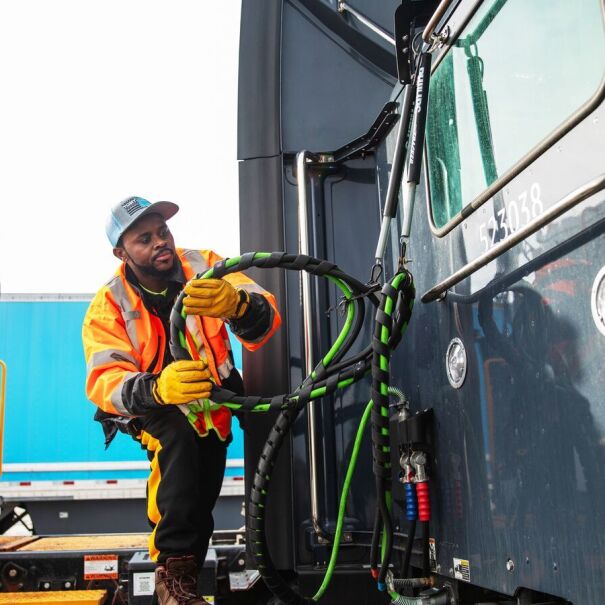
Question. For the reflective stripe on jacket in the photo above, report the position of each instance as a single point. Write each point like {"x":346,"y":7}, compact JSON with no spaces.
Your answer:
{"x":122,"y":338}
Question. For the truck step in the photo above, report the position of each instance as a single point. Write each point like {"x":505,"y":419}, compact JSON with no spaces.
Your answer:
{"x":59,"y":597}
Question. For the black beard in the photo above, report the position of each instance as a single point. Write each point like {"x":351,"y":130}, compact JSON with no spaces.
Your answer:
{"x":151,"y":271}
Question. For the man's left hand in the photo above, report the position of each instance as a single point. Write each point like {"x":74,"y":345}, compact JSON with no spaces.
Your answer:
{"x":215,"y":298}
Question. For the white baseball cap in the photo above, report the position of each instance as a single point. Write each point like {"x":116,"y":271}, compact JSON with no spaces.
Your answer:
{"x":124,"y":214}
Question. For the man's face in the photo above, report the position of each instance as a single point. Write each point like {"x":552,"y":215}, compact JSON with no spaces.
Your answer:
{"x":148,"y":248}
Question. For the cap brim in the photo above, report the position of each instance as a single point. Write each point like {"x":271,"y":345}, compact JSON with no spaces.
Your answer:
{"x":165,"y":209}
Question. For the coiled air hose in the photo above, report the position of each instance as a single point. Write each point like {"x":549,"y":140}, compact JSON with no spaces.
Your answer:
{"x":334,"y":371}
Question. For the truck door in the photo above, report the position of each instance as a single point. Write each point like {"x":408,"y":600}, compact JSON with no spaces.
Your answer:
{"x":510,"y":241}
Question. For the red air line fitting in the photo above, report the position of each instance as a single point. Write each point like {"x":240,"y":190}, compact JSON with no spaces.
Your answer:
{"x":419,"y":461}
{"x":374,"y":573}
{"x":424,"y":504}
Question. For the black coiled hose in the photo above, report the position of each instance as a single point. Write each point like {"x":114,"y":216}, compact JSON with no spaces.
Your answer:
{"x":333,"y":372}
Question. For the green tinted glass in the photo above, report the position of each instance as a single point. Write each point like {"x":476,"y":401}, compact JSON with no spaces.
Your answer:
{"x":519,"y":69}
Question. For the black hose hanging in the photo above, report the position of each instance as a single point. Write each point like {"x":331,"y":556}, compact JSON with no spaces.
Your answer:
{"x":394,"y":307}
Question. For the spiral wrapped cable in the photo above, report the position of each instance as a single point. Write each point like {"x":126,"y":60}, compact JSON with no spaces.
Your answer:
{"x":334,"y":371}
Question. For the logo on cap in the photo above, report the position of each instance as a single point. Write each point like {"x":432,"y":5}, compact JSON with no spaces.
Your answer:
{"x":133,"y":204}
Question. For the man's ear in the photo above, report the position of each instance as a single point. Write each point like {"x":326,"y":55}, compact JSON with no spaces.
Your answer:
{"x":120,"y":253}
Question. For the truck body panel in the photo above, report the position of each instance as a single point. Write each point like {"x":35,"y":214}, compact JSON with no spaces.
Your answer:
{"x":516,"y":478}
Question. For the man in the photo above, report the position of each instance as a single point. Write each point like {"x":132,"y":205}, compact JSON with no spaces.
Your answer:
{"x":140,"y":389}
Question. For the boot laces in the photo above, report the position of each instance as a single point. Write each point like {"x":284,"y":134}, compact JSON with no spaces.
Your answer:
{"x":182,"y":588}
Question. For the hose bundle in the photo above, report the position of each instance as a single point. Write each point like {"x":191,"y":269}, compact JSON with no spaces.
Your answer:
{"x":334,"y":371}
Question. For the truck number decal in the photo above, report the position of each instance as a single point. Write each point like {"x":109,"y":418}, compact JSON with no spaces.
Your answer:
{"x":517,"y":213}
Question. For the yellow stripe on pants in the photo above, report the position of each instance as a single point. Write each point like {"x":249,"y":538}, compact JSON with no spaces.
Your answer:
{"x":151,"y":444}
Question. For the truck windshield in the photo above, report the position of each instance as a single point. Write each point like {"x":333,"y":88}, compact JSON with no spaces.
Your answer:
{"x":518,"y":70}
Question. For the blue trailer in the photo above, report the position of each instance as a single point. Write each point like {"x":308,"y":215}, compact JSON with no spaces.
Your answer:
{"x":55,"y":465}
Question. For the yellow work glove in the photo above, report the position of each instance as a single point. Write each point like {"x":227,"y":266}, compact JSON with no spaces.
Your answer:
{"x":215,"y":298}
{"x":183,"y":381}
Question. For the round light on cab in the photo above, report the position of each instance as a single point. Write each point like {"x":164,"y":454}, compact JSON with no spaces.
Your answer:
{"x":456,"y":363}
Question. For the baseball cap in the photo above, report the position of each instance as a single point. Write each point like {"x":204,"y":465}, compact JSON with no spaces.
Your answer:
{"x":124,"y":214}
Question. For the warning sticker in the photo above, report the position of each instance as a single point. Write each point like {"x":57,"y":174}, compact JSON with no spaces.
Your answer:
{"x":433,"y":554}
{"x":100,"y":567}
{"x":143,"y":584}
{"x":462,"y":570}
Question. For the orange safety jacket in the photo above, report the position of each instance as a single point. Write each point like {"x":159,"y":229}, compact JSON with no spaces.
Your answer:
{"x":122,"y":338}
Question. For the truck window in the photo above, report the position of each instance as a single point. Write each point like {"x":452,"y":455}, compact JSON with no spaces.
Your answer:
{"x":518,"y":70}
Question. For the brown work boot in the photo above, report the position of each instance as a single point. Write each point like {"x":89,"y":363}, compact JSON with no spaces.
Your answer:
{"x":176,"y":582}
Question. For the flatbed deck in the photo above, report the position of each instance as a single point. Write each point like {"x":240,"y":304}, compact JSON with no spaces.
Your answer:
{"x":69,"y":569}
{"x":11,"y":543}
{"x":101,"y":542}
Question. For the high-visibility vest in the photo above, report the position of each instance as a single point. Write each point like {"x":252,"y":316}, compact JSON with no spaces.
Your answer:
{"x":121,"y":337}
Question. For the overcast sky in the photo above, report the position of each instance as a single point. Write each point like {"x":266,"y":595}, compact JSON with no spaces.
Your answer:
{"x":102,"y":100}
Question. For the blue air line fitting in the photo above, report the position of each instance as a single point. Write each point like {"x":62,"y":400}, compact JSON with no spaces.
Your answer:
{"x":407,"y":478}
{"x":411,"y":503}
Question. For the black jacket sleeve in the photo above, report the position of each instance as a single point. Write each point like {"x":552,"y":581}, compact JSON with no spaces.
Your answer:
{"x":137,"y":395}
{"x":136,"y":392}
{"x":256,"y":321}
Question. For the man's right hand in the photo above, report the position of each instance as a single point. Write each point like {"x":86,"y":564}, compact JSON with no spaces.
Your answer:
{"x":183,"y":381}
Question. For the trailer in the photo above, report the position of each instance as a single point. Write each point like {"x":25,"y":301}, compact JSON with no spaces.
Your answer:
{"x":57,"y":476}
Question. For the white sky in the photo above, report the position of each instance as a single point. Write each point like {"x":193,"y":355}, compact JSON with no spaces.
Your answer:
{"x":106,"y":99}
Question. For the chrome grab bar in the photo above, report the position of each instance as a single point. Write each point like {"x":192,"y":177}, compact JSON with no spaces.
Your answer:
{"x":303,"y":247}
{"x":567,"y":203}
{"x":429,"y":30}
{"x":2,"y":397}
{"x":343,"y":6}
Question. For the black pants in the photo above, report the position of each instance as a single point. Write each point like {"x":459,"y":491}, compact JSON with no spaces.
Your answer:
{"x":184,"y":484}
